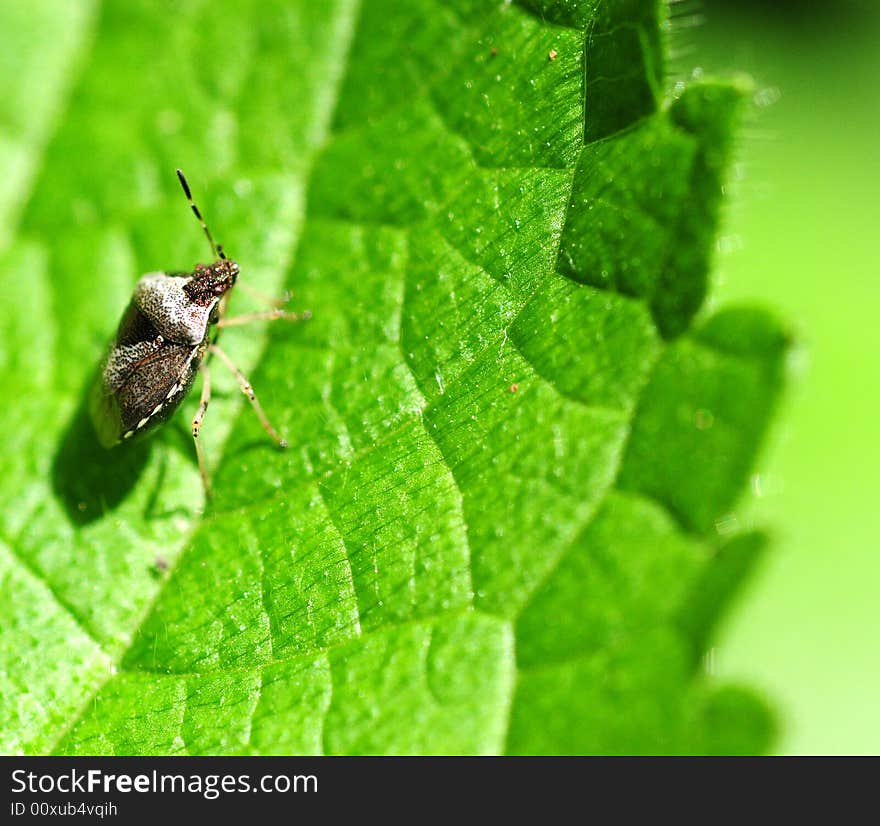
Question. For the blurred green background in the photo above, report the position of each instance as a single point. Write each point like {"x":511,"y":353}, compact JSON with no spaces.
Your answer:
{"x":801,"y":233}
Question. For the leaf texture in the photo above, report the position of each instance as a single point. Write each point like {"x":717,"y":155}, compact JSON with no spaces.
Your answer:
{"x":512,"y":444}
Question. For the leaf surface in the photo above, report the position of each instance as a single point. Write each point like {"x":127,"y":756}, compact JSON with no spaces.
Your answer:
{"x":512,"y":446}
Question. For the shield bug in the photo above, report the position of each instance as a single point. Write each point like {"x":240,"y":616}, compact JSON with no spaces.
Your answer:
{"x":166,"y":336}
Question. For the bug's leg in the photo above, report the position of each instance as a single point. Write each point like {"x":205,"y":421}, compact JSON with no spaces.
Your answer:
{"x":249,"y":392}
{"x":221,"y":306}
{"x":197,"y":425}
{"x":267,"y":300}
{"x":269,"y":315}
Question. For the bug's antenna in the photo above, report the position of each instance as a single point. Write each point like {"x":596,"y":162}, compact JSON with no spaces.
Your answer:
{"x":217,"y":249}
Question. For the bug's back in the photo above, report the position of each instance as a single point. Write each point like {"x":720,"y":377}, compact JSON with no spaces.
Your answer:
{"x":159,"y":346}
{"x":143,"y":379}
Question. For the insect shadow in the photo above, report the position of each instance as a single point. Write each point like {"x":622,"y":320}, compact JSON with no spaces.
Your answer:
{"x":89,"y":480}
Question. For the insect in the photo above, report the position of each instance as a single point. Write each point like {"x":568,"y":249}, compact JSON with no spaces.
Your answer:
{"x":166,"y":336}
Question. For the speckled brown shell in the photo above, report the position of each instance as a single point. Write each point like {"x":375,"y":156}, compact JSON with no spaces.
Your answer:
{"x":153,"y":361}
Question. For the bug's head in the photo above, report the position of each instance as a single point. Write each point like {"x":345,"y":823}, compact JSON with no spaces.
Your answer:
{"x":210,"y":282}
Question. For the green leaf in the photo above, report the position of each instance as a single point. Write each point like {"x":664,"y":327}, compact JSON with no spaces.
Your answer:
{"x":502,"y":521}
